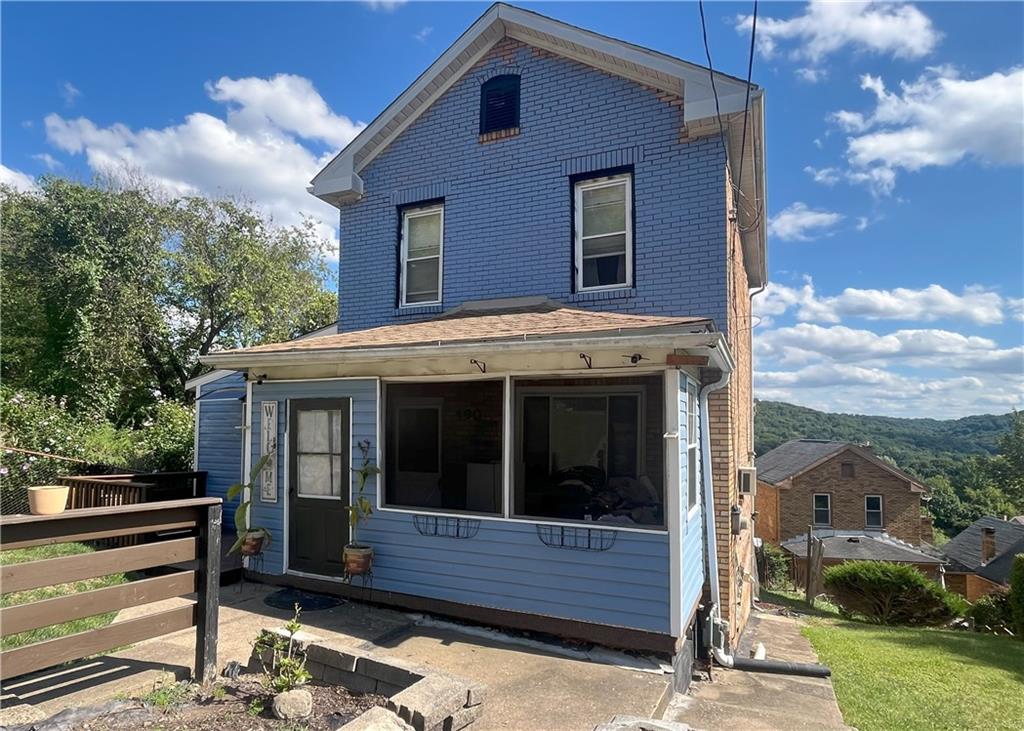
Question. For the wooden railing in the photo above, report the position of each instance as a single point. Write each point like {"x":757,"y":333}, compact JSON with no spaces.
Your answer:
{"x":194,"y":526}
{"x":91,"y":491}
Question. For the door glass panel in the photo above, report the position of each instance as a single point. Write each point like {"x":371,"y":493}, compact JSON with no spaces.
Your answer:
{"x":315,"y":474}
{"x":313,"y":431}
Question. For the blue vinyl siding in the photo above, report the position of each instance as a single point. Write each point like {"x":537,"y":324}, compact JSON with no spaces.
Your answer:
{"x":692,"y":563}
{"x":220,"y":434}
{"x":505,"y":565}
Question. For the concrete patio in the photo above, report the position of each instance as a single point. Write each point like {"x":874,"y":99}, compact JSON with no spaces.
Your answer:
{"x":529,"y":687}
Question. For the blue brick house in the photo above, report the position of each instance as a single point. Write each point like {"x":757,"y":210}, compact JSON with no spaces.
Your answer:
{"x":548,"y":244}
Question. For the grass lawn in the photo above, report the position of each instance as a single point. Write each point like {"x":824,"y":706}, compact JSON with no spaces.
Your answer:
{"x":908,"y":678}
{"x":47,"y":592}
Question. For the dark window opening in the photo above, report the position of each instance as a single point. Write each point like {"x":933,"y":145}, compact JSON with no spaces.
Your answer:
{"x":443,"y":446}
{"x":873,"y":511}
{"x":846,"y":469}
{"x":590,"y":450}
{"x":822,"y":509}
{"x":499,"y":103}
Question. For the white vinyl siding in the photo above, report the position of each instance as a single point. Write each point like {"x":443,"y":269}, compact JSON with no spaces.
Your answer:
{"x":422,"y":255}
{"x":603,"y":225}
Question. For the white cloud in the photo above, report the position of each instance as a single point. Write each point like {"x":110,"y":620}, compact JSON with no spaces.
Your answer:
{"x":16,"y":179}
{"x":48,"y":160}
{"x":862,"y":222}
{"x":423,"y":33}
{"x":825,"y":176}
{"x":976,"y":304}
{"x":1016,"y":308}
{"x":69,"y":93}
{"x":811,"y":75}
{"x":898,"y":30}
{"x":387,"y":6}
{"x":255,"y":150}
{"x":938,"y":120}
{"x":798,"y":222}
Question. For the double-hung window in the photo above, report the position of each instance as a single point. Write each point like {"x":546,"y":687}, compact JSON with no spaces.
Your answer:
{"x":603,"y":232}
{"x":822,"y":509}
{"x":873,"y":511}
{"x":693,"y":441}
{"x":422,"y":254}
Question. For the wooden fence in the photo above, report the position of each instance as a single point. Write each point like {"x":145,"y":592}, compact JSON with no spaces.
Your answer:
{"x":192,"y":530}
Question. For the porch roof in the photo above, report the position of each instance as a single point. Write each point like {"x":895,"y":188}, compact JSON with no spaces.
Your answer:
{"x":475,"y":324}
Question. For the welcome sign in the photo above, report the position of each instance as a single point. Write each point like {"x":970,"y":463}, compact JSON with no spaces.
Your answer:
{"x":268,"y":445}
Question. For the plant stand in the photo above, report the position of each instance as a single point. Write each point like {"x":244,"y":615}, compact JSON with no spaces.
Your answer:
{"x":365,"y":585}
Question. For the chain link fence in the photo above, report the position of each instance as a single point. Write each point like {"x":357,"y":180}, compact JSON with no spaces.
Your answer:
{"x":21,"y":469}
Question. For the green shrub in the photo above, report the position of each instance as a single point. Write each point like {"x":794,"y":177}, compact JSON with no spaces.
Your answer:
{"x":1016,"y":599}
{"x":889,"y":593}
{"x":992,"y":610}
{"x":773,"y":567}
{"x":165,"y":440}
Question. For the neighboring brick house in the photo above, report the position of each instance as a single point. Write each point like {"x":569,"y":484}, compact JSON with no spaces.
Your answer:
{"x":836,"y":486}
{"x":548,"y":250}
{"x":980,"y":557}
{"x":840,"y":546}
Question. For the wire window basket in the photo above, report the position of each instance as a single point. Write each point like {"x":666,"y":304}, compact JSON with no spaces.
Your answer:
{"x":576,"y":539}
{"x":432,"y":525}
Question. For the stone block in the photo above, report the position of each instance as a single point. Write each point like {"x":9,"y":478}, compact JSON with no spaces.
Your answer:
{"x":353,"y":681}
{"x":377,"y":719}
{"x":393,"y":671}
{"x":334,"y":655}
{"x":462,"y":718}
{"x":429,"y":701}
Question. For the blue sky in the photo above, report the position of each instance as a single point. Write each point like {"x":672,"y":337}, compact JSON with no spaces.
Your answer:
{"x":895,"y":137}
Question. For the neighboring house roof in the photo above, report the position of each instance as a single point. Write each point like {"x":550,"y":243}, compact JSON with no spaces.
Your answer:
{"x":964,"y":550}
{"x":1018,"y":519}
{"x":522,"y":322}
{"x":860,"y":546}
{"x":219,"y":373}
{"x":787,"y":461}
{"x":339,"y":182}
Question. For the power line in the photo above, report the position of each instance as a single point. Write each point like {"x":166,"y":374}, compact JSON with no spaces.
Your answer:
{"x":746,"y":103}
{"x":711,"y":71}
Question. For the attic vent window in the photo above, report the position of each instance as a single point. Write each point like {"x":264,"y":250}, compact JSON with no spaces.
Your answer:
{"x":499,"y":106}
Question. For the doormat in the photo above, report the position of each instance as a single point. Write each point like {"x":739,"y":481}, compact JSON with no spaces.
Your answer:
{"x":288,"y":598}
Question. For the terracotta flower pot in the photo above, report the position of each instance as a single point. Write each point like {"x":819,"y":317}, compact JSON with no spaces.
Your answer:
{"x":358,"y":560}
{"x":252,"y":545}
{"x":47,"y":499}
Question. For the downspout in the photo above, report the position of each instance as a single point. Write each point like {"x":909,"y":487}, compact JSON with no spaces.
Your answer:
{"x":711,"y":547}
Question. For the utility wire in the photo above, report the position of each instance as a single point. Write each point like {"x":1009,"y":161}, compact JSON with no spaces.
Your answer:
{"x":746,"y":103}
{"x":711,"y":72}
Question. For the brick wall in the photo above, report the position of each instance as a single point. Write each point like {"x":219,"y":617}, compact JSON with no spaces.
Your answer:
{"x":507,"y":202}
{"x":901,"y":508}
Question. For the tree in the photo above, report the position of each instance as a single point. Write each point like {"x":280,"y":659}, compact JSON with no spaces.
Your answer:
{"x":112,"y":292}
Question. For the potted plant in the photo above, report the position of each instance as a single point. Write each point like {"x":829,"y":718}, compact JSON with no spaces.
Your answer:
{"x":249,"y":540}
{"x":358,"y":558}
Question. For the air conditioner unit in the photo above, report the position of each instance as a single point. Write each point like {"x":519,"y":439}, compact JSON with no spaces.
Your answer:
{"x":748,"y":481}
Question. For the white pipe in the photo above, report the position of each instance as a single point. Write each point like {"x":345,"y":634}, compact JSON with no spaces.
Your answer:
{"x":711,"y":544}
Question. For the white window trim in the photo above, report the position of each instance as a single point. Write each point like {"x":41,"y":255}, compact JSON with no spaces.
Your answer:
{"x":692,"y":443}
{"x":880,"y":511}
{"x":814,"y":509}
{"x":591,"y":184}
{"x":408,"y":213}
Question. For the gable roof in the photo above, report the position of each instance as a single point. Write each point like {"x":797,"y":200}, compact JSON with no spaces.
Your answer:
{"x":339,"y":181}
{"x":860,"y":546}
{"x":964,"y":550}
{"x":797,"y":456}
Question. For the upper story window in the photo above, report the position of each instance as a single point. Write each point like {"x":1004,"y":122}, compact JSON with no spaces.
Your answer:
{"x":603,"y":232}
{"x":422,"y":254}
{"x":847,"y":470}
{"x":822,"y":508}
{"x":873,"y":511}
{"x":499,"y":104}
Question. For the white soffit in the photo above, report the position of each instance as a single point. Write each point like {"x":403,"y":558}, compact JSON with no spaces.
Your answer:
{"x":339,"y":181}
